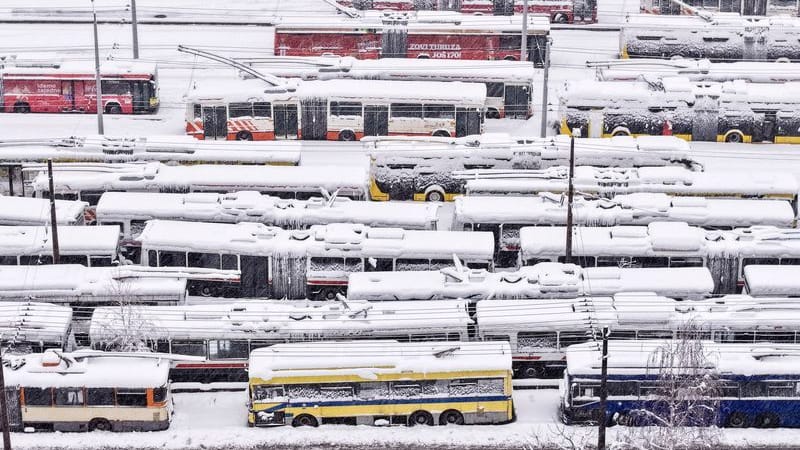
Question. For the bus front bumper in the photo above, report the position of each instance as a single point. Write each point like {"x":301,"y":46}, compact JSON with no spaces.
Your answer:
{"x":268,"y":419}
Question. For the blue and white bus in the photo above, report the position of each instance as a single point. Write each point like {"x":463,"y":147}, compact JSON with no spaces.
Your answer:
{"x":758,"y":384}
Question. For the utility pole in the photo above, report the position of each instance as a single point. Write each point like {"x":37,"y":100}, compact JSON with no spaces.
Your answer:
{"x":4,"y":406}
{"x":98,"y":88}
{"x":601,"y":432}
{"x":53,"y":222}
{"x":523,"y":48}
{"x":544,"y":86}
{"x":570,"y":194}
{"x":134,"y":23}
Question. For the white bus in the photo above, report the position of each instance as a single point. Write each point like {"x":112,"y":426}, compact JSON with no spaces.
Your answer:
{"x":663,"y":244}
{"x":771,"y":280}
{"x":33,"y":245}
{"x":544,"y":280}
{"x":505,"y":215}
{"x":130,"y":210}
{"x":89,"y":391}
{"x":344,"y":110}
{"x":223,"y":335}
{"x":34,"y":211}
{"x":28,"y":327}
{"x":88,"y":182}
{"x":311,"y":263}
{"x":696,"y":70}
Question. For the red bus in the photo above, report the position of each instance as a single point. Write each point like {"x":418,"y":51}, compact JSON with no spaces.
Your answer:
{"x":423,"y":34}
{"x":128,"y":88}
{"x":559,"y":11}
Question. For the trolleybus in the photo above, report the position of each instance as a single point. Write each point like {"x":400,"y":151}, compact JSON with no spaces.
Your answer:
{"x":33,"y":245}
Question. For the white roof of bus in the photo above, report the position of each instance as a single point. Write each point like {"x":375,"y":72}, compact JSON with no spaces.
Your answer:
{"x":65,"y":282}
{"x":543,"y":280}
{"x":251,"y":206}
{"x":631,"y":357}
{"x":107,"y":68}
{"x":249,"y":238}
{"x":418,"y":22}
{"x":88,"y":369}
{"x":284,"y":320}
{"x":216,"y":177}
{"x":772,"y":280}
{"x":34,"y":322}
{"x":366,"y":359}
{"x":700,"y":70}
{"x":35,"y":211}
{"x":631,"y":209}
{"x":72,"y":240}
{"x":386,"y":91}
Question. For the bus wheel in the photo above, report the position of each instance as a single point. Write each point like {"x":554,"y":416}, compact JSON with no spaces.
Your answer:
{"x":620,"y":133}
{"x":492,"y":114}
{"x":451,"y":417}
{"x":244,"y":136}
{"x":99,"y":425}
{"x":327,"y":294}
{"x":206,"y":291}
{"x":347,"y":135}
{"x":113,"y":108}
{"x":767,"y":420}
{"x":532,"y":371}
{"x":441,"y":133}
{"x":510,"y":58}
{"x":737,"y":420}
{"x":305,"y":420}
{"x":434,"y":196}
{"x":22,"y":108}
{"x":420,"y":418}
{"x":734,"y":137}
{"x":560,"y":18}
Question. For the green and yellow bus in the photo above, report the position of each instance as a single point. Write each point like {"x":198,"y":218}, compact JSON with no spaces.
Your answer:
{"x":382,"y":382}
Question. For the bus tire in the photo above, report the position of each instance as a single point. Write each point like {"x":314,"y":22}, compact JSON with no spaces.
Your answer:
{"x":532,"y":371}
{"x":113,"y":108}
{"x":435,"y":195}
{"x":492,"y":113}
{"x":767,"y":420}
{"x":737,"y":420}
{"x":327,"y":294}
{"x":734,"y":137}
{"x":99,"y":424}
{"x":510,"y":58}
{"x":244,"y":136}
{"x":441,"y":133}
{"x":451,"y":417}
{"x":420,"y":418}
{"x":560,"y":18}
{"x":347,"y":135}
{"x":22,"y":108}
{"x":207,"y":291}
{"x":305,"y":420}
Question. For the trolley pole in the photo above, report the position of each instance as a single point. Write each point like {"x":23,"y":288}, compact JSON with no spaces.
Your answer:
{"x":601,"y":432}
{"x":523,"y":48}
{"x":98,"y":88}
{"x":53,"y":222}
{"x":135,"y":25}
{"x":4,"y":407}
{"x":570,"y":194}
{"x":545,"y":78}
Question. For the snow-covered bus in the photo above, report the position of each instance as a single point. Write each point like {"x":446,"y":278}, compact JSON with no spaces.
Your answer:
{"x":732,"y":111}
{"x":663,"y":244}
{"x":380,"y":382}
{"x":312,"y":263}
{"x":36,"y":211}
{"x":540,"y":330}
{"x":697,"y":70}
{"x":29,"y":327}
{"x":509,"y":84}
{"x":423,"y":34}
{"x":127,"y":88}
{"x":437,"y":170}
{"x":754,"y":385}
{"x":721,"y":37}
{"x":505,"y":215}
{"x":33,"y":245}
{"x":88,"y":391}
{"x":772,"y":280}
{"x":130,"y":210}
{"x":343,"y":110}
{"x":544,"y":280}
{"x":224,"y":334}
{"x":88,"y":182}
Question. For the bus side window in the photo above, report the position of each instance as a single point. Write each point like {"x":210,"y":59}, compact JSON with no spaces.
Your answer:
{"x":685,"y":262}
{"x":230,"y":262}
{"x":8,"y":260}
{"x":74,"y":259}
{"x":226,"y":349}
{"x":69,"y":396}
{"x":262,"y":109}
{"x":38,"y":396}
{"x":100,"y":397}
{"x":35,"y":260}
{"x":759,"y":261}
{"x":191,"y":348}
{"x":204,"y":260}
{"x":495,"y":90}
{"x":379,"y":265}
{"x":131,"y":397}
{"x":101,"y":261}
{"x":152,"y":258}
{"x":198,"y":111}
{"x":171,"y":259}
{"x":160,"y":394}
{"x":439,"y":112}
{"x":240,"y":110}
{"x":411,"y":110}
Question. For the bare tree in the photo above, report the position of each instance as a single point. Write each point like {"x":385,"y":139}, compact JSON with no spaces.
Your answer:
{"x":127,"y":330}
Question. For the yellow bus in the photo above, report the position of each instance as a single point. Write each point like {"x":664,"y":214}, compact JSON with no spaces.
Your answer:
{"x":87,"y":391}
{"x":381,"y":383}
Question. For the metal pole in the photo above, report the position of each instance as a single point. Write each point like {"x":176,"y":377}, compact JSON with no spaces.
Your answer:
{"x":135,"y":24}
{"x":98,"y":88}
{"x":601,"y":432}
{"x":523,"y":49}
{"x":544,"y":86}
{"x":4,"y":406}
{"x":570,"y":193}
{"x":53,"y":221}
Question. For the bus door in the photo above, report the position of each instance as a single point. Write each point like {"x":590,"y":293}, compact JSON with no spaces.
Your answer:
{"x":376,"y":120}
{"x":517,"y":99}
{"x":769,"y":127}
{"x":285,"y":120}
{"x":215,"y":122}
{"x":16,"y":186}
{"x":141,"y":97}
{"x":595,"y":123}
{"x":314,"y":119}
{"x":394,"y":42}
{"x":706,"y":120}
{"x":537,"y":50}
{"x":14,"y":408}
{"x":468,"y":121}
{"x":68,"y":95}
{"x":503,"y":7}
{"x":255,"y":276}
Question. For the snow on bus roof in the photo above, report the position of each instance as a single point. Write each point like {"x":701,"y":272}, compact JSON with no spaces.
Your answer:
{"x":715,"y":21}
{"x":626,"y":357}
{"x":107,"y":68}
{"x":71,"y":282}
{"x":764,"y":280}
{"x":73,"y":240}
{"x":249,"y":238}
{"x":699,"y":70}
{"x":252,"y":206}
{"x":367,"y":359}
{"x":36,"y":211}
{"x":237,"y":91}
{"x":631,"y":209}
{"x":283,"y":320}
{"x":86,"y":368}
{"x":376,"y":90}
{"x":543,"y":280}
{"x":34,"y":322}
{"x":415,"y":22}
